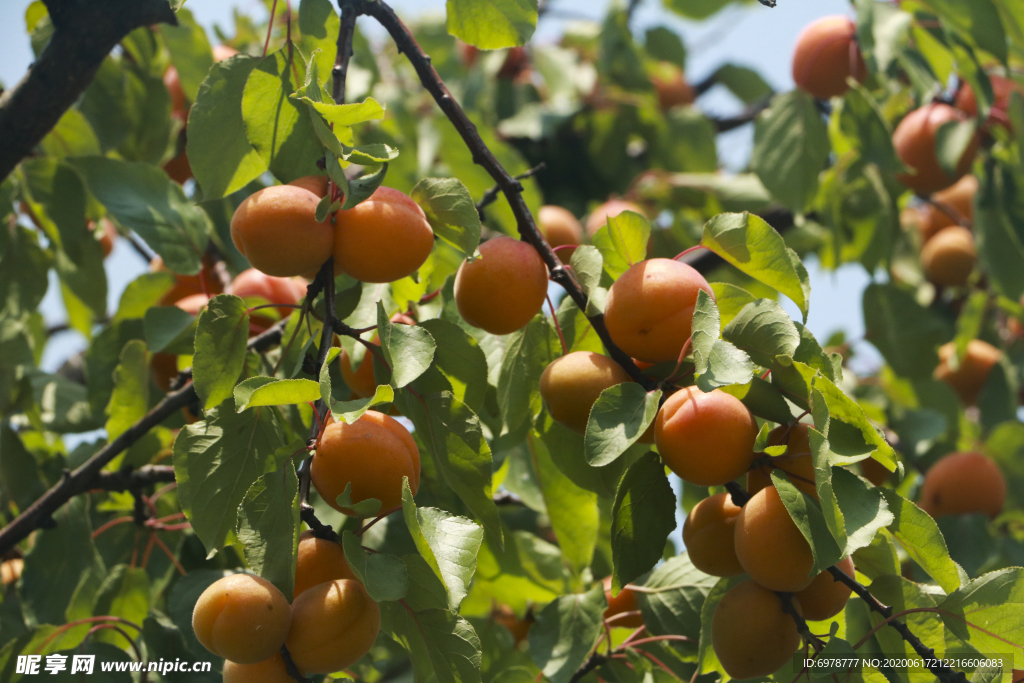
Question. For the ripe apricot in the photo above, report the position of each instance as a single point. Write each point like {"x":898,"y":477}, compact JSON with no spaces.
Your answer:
{"x":10,"y":571}
{"x":271,"y":670}
{"x":598,"y":218}
{"x":961,"y":484}
{"x":708,"y":535}
{"x":333,"y":625}
{"x":672,"y":87}
{"x":319,"y":561}
{"x":914,"y":141}
{"x":622,"y":608}
{"x":796,"y":461}
{"x":571,"y":385}
{"x":372,"y":454}
{"x":971,"y":374}
{"x":222,"y":52}
{"x":957,"y":199}
{"x":705,"y":438}
{"x":649,"y":310}
{"x":1002,"y":89}
{"x":317,"y":184}
{"x":826,"y":54}
{"x":560,"y":229}
{"x":252,"y":284}
{"x":519,"y":628}
{"x":948,"y":258}
{"x":752,"y":635}
{"x":276,"y":229}
{"x":186,"y":285}
{"x":503,"y":289}
{"x":382,"y":239}
{"x":242,"y":618}
{"x":769,"y":545}
{"x":826,"y":597}
{"x":362,"y":381}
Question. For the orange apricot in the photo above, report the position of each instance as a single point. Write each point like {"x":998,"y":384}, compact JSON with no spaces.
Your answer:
{"x":372,"y":454}
{"x":362,"y":381}
{"x":961,"y":484}
{"x":649,"y":310}
{"x":915,"y":139}
{"x":796,"y":461}
{"x":622,"y":608}
{"x":769,"y":545}
{"x":333,"y":625}
{"x":826,"y":55}
{"x":952,"y":205}
{"x":1002,"y":89}
{"x":826,"y":597}
{"x":708,"y":535}
{"x":271,"y":670}
{"x":382,"y":239}
{"x":571,"y":385}
{"x":560,"y":229}
{"x":598,"y":218}
{"x":948,"y":258}
{"x":242,"y":618}
{"x":503,"y":289}
{"x":519,"y":628}
{"x":969,"y":377}
{"x":276,"y":230}
{"x":516,"y":63}
{"x":672,"y":87}
{"x":253,"y":284}
{"x":319,"y":561}
{"x":751,"y":633}
{"x":705,"y":438}
{"x":10,"y":571}
{"x":317,"y":184}
{"x":186,"y":285}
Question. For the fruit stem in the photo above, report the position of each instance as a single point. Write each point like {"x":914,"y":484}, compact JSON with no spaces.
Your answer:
{"x":558,"y":326}
{"x":270,"y":27}
{"x":687,"y":251}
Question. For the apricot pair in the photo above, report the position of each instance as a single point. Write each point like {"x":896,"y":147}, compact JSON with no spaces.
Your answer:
{"x":502,"y":289}
{"x":915,"y":139}
{"x":371,"y":455}
{"x":969,"y":376}
{"x":963,"y":483}
{"x":826,"y":55}
{"x":952,"y":206}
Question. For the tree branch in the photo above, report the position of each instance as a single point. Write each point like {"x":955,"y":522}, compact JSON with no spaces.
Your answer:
{"x":132,"y":480}
{"x":326,"y":278}
{"x":748,"y":115}
{"x":84,"y":33}
{"x":491,"y":195}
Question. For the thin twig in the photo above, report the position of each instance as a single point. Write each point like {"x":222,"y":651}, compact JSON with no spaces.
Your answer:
{"x":491,"y":195}
{"x":320,"y":408}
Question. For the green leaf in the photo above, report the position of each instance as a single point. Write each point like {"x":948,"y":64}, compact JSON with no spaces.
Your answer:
{"x":672,"y":599}
{"x":806,"y":514}
{"x":717,"y":363}
{"x":350,"y":411}
{"x":863,"y":123}
{"x":269,"y":391}
{"x":619,"y":417}
{"x":442,"y":646}
{"x":219,"y":152}
{"x":790,"y":148}
{"x":623,"y":242}
{"x":190,"y":52}
{"x":124,"y":593}
{"x":268,"y":526}
{"x":451,"y":212}
{"x":142,"y":198}
{"x":755,"y":248}
{"x":865,"y":510}
{"x":730,"y":300}
{"x":999,"y":228}
{"x":743,"y":82}
{"x":978,"y":21}
{"x":169,"y":329}
{"x":19,"y":474}
{"x":849,"y":444}
{"x":142,"y":294}
{"x":921,"y":538}
{"x":368,"y":507}
{"x":665,"y":45}
{"x":988,"y":613}
{"x":408,"y":349}
{"x":447,"y":542}
{"x":215,"y":463}
{"x":73,"y":136}
{"x":425,"y":590}
{"x":130,"y":399}
{"x":527,"y":353}
{"x":905,"y":332}
{"x":461,"y":360}
{"x":324,"y":380}
{"x":361,"y":188}
{"x":643,"y":516}
{"x":492,"y":24}
{"x":565,"y":632}
{"x":764,"y":331}
{"x":588,"y":265}
{"x":222,"y":333}
{"x":952,"y":140}
{"x":384,"y":576}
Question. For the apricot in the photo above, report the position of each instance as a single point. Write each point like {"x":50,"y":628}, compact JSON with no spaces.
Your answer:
{"x":271,"y":670}
{"x":914,"y":141}
{"x":769,"y":545}
{"x":186,"y":285}
{"x":708,"y":535}
{"x":276,"y":230}
{"x":961,"y":484}
{"x":826,"y":54}
{"x":621,"y":608}
{"x":382,"y":239}
{"x":333,"y":625}
{"x":10,"y":571}
{"x":372,"y":454}
{"x":106,"y":236}
{"x":571,"y":385}
{"x":969,"y":377}
{"x":252,"y":283}
{"x":751,"y":633}
{"x":796,"y":461}
{"x":672,"y":87}
{"x":317,"y":184}
{"x":957,"y":199}
{"x":362,"y":381}
{"x":242,"y":618}
{"x":560,"y":229}
{"x":503,"y":289}
{"x":826,"y":597}
{"x":649,"y":310}
{"x":319,"y":561}
{"x":705,"y":438}
{"x":519,"y":628}
{"x":948,"y":258}
{"x":179,"y":169}
{"x":598,"y":218}
{"x":1002,"y":89}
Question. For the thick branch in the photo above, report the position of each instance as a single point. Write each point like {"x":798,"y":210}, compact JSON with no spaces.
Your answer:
{"x":84,"y":34}
{"x":132,"y":480}
{"x":346,"y":34}
{"x":482,"y":156}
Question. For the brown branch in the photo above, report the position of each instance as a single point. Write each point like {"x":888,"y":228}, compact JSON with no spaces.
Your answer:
{"x":346,"y":34}
{"x":748,"y":115}
{"x":482,"y":156}
{"x":84,"y":33}
{"x":326,"y":279}
{"x":491,"y":195}
{"x":132,"y":480}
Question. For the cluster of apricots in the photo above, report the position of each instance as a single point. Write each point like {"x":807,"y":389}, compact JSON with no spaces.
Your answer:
{"x":329,"y":625}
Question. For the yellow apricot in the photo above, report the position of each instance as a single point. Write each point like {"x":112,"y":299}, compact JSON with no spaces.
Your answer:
{"x":318,"y":561}
{"x":10,"y":571}
{"x":963,"y":483}
{"x":317,"y":184}
{"x":649,"y":311}
{"x":705,"y":438}
{"x":560,"y":229}
{"x":276,"y":230}
{"x":271,"y":670}
{"x":751,"y":634}
{"x":826,"y":597}
{"x":948,"y":258}
{"x":796,"y":461}
{"x":968,"y":379}
{"x":382,"y":239}
{"x":769,"y":545}
{"x":598,"y":218}
{"x":242,"y":618}
{"x":372,"y":454}
{"x":333,"y":625}
{"x":958,"y":199}
{"x":622,"y":608}
{"x":503,"y":289}
{"x":708,"y":535}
